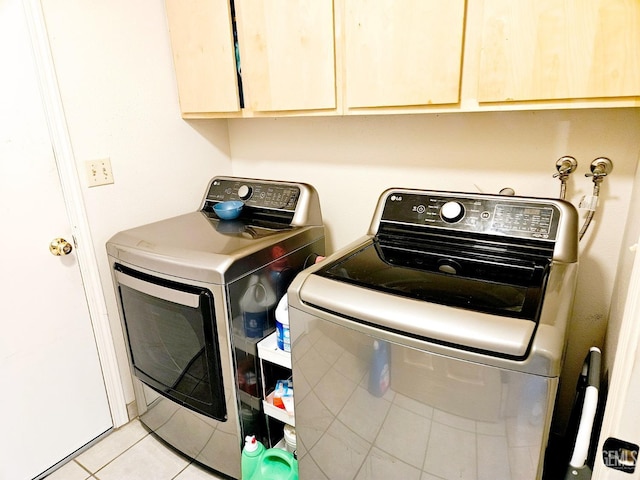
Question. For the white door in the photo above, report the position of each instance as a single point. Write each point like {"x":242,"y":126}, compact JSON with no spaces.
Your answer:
{"x":52,"y":397}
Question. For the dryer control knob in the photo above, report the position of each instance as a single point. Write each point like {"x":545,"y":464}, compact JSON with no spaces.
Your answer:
{"x":244,"y":192}
{"x":452,"y":212}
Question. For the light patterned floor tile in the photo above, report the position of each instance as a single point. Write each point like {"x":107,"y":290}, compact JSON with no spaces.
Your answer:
{"x":339,"y":453}
{"x":195,"y":472}
{"x":380,"y":466}
{"x":364,"y":413}
{"x":404,"y":435}
{"x":454,"y":421}
{"x":111,"y":446}
{"x":493,"y":458}
{"x":147,"y":459}
{"x":70,"y":471}
{"x":451,"y":453}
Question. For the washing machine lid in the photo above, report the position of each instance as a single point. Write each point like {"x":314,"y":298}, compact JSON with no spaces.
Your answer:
{"x":491,"y":283}
{"x":463,"y":329}
{"x":491,"y":308}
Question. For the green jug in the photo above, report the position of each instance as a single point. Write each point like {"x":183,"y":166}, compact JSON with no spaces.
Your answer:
{"x":259,"y":463}
{"x":276,"y":464}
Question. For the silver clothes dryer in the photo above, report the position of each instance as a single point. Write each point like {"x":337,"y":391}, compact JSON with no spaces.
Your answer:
{"x":196,"y":294}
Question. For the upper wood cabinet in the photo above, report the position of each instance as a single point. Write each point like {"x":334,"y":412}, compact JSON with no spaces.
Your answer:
{"x":559,"y":49}
{"x":401,"y":53}
{"x":203,"y":56}
{"x":287,"y":54}
{"x":334,"y":57}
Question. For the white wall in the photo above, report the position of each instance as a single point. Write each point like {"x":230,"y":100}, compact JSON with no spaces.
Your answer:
{"x":352,"y":160}
{"x":115,"y":72}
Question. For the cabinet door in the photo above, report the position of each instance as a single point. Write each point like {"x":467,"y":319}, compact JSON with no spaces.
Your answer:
{"x":203,"y":55}
{"x":287,"y":54}
{"x":402,"y":52}
{"x":559,"y":49}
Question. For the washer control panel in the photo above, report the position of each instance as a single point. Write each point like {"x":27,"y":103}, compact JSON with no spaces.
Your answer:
{"x":266,"y":195}
{"x":491,"y":214}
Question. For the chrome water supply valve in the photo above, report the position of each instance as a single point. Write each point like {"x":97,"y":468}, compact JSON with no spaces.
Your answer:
{"x":565,"y":166}
{"x":600,"y":167}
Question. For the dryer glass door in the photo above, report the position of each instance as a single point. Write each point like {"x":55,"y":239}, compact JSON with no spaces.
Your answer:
{"x":173,"y":343}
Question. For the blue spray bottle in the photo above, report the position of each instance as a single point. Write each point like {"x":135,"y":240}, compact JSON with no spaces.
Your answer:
{"x":379,"y":374}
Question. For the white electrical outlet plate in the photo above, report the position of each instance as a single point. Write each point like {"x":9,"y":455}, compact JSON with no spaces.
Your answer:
{"x":99,"y":172}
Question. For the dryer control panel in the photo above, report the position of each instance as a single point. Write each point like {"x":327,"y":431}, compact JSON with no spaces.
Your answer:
{"x":254,"y":193}
{"x":270,"y":203}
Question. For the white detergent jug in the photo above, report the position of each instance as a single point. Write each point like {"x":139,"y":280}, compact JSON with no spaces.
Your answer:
{"x":256,"y":303}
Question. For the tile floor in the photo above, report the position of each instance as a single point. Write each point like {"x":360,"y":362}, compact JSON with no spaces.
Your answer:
{"x":130,"y":453}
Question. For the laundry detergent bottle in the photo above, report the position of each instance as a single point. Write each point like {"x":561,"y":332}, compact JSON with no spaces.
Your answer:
{"x":252,"y":454}
{"x":276,"y":464}
{"x":257,"y":304}
{"x":259,"y":463}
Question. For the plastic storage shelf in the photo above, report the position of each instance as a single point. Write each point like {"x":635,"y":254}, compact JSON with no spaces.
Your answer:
{"x":268,"y":351}
{"x":276,"y":412}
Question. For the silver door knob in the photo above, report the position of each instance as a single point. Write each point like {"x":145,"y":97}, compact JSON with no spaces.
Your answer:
{"x":59,"y":247}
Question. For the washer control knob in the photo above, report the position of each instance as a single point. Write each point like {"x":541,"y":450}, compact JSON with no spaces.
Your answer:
{"x":452,"y":212}
{"x":244,"y":191}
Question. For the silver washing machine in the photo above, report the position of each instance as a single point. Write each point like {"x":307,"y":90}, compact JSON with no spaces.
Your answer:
{"x":431,"y":348}
{"x":196,"y":294}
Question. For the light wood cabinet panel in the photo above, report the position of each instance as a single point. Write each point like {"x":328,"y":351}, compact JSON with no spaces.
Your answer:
{"x":402,"y":52}
{"x":287,"y":54}
{"x":204,"y":55}
{"x":559,"y":49}
{"x":335,"y":57}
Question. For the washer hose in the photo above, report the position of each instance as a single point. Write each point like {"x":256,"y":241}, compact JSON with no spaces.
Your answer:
{"x":563,"y":186}
{"x":565,"y":166}
{"x":592,"y":211}
{"x":600,"y":168}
